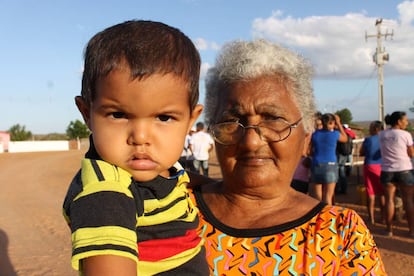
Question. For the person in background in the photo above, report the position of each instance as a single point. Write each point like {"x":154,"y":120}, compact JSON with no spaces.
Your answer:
{"x":259,"y":108}
{"x":344,"y":157}
{"x":397,"y":149}
{"x":324,"y":169}
{"x":300,"y":181}
{"x":370,"y":150}
{"x":301,"y":177}
{"x":201,"y":144}
{"x":318,"y":120}
{"x":128,"y":207}
{"x":187,"y":157}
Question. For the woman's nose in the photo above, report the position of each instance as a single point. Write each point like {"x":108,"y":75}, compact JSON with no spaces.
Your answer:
{"x":251,"y":137}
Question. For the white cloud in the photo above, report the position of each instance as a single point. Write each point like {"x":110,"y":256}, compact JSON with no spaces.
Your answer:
{"x":202,"y":44}
{"x":214,"y":46}
{"x":406,"y":10}
{"x":203,"y":70}
{"x":336,"y":44}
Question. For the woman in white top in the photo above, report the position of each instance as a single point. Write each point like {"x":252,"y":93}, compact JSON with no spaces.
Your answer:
{"x":396,"y":150}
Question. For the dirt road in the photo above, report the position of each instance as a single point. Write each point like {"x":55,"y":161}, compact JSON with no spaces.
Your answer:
{"x":34,"y":239}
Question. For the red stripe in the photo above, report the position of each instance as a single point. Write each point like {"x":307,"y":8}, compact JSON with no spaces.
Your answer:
{"x":155,"y":250}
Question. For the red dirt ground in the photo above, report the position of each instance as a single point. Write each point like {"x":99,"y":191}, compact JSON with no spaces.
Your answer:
{"x":35,"y":240}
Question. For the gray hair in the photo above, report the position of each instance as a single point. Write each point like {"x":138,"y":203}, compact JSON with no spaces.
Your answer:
{"x":244,"y":60}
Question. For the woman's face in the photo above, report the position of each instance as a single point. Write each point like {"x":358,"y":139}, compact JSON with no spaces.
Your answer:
{"x":403,"y":122}
{"x":252,"y":162}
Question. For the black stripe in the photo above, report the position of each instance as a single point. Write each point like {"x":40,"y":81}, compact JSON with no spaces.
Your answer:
{"x":97,"y":170}
{"x":104,"y":247}
{"x":196,"y":266}
{"x":165,"y":230}
{"x":167,"y":207}
{"x":102,"y":209}
{"x":74,"y":189}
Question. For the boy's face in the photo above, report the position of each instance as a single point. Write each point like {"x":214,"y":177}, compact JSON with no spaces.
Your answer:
{"x":140,"y":125}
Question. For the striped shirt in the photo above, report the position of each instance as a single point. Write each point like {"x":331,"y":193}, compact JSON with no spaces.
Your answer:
{"x":153,"y":223}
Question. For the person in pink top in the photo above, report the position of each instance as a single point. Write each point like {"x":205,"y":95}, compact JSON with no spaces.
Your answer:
{"x":301,"y":177}
{"x":397,"y":149}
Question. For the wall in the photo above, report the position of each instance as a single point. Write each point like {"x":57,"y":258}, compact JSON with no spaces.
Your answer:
{"x":30,"y":146}
{"x":4,"y":141}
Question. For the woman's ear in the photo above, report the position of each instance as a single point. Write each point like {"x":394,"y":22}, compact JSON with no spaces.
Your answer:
{"x":307,"y":145}
{"x":84,"y":109}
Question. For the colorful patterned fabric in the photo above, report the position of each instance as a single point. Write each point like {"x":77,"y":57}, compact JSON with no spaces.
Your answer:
{"x":329,"y":240}
{"x":153,"y":223}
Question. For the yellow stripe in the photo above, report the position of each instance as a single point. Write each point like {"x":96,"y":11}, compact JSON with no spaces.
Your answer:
{"x":172,"y":214}
{"x":109,"y":171}
{"x":107,"y":186}
{"x":103,"y":235}
{"x":78,"y":257}
{"x":179,"y":191}
{"x":116,"y":179}
{"x":181,"y":208}
{"x":151,"y":268}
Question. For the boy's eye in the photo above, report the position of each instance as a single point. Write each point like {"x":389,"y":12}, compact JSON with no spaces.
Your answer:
{"x":118,"y":115}
{"x":164,"y":118}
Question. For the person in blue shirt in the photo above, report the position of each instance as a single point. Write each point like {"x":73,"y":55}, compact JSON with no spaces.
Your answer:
{"x":370,"y":149}
{"x":324,"y":169}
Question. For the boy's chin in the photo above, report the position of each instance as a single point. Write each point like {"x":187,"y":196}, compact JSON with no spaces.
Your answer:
{"x":148,"y":176}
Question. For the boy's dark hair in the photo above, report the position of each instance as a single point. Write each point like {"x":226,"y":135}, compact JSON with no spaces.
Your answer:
{"x":392,"y":119}
{"x":147,"y":47}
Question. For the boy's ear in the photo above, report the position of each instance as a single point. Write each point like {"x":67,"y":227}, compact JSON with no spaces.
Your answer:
{"x":195,"y":113}
{"x":83,"y":109}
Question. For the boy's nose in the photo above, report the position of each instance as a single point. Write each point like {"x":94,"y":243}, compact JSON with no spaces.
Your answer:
{"x":138,"y":134}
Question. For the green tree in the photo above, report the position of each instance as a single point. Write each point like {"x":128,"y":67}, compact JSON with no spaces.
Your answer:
{"x":77,"y":129}
{"x":19,"y":133}
{"x":345,"y":115}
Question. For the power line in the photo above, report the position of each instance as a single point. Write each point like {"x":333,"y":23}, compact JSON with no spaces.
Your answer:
{"x":363,"y":87}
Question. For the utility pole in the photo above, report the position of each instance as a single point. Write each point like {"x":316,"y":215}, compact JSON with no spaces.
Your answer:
{"x":380,"y":58}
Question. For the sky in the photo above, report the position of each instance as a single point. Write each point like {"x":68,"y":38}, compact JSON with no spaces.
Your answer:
{"x":42,"y":44}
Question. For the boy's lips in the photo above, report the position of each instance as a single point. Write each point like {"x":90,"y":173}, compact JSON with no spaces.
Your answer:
{"x":142,"y":162}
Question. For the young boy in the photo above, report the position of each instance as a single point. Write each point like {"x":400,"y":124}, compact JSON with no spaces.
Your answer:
{"x":128,"y":207}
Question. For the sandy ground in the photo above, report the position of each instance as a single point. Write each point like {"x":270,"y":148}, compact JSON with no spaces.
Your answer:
{"x":34,"y":239}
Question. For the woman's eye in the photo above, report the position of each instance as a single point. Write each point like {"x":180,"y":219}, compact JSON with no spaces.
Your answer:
{"x":270,"y":117}
{"x":164,"y":118}
{"x":118,"y":115}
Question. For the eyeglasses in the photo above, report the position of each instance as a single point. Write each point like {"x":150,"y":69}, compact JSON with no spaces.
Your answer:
{"x":230,"y":133}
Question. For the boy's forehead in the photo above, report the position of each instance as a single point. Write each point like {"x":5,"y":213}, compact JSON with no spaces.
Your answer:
{"x":121,"y":80}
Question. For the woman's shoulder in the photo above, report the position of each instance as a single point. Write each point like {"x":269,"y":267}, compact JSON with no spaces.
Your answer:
{"x":343,"y":216}
{"x":198,"y":180}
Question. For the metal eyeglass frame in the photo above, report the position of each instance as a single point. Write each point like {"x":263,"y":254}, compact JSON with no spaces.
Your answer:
{"x":256,"y":129}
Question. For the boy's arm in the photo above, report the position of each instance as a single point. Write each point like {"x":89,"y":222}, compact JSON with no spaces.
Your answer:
{"x":103,"y":220}
{"x":108,"y":265}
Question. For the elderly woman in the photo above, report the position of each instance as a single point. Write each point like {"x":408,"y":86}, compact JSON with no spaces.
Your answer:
{"x":260,"y":111}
